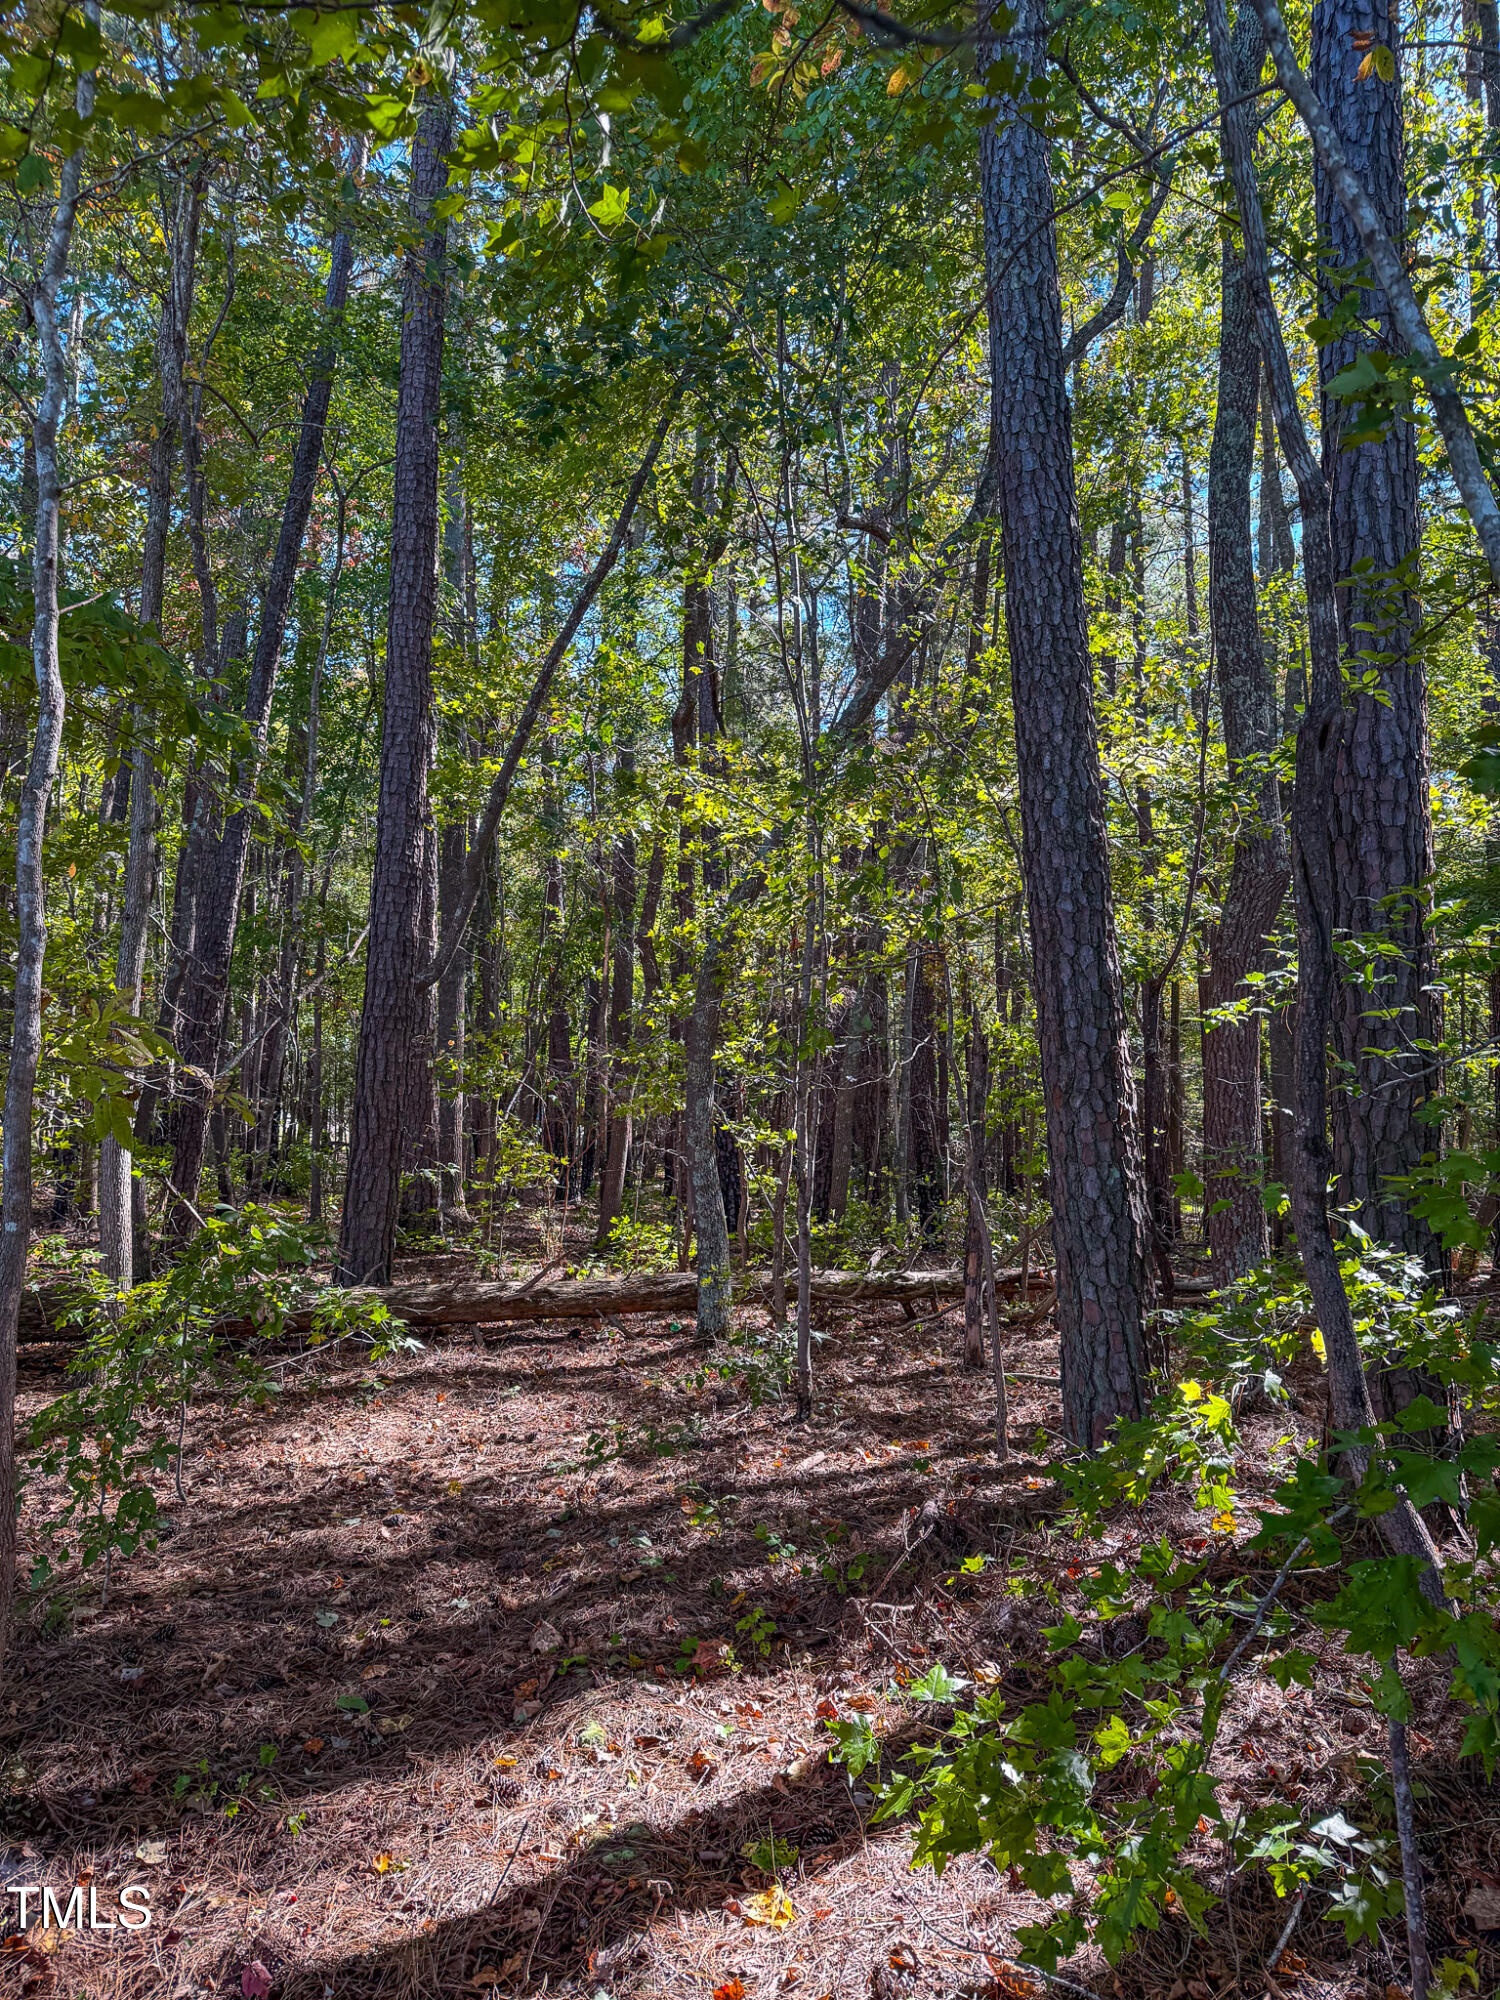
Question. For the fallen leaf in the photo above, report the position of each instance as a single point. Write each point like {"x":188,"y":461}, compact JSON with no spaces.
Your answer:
{"x":546,"y":1638}
{"x":1483,"y":1908}
{"x":392,"y":1725}
{"x":772,"y":1907}
{"x":863,"y":1702}
{"x":504,"y":1763}
{"x":313,"y":1745}
{"x":255,"y":1981}
{"x":487,"y":1975}
{"x":700,"y":1766}
{"x":152,"y":1852}
{"x":826,"y":1710}
{"x":732,"y":1989}
{"x":387,"y":1864}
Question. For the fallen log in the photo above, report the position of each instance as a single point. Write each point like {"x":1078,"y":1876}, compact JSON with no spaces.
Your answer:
{"x":486,"y":1302}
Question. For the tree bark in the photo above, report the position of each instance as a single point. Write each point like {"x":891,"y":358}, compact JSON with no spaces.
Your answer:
{"x":394,"y":1015}
{"x":1260,"y":867}
{"x":1099,"y":1223}
{"x":1382,"y":834}
{"x":41,"y":775}
{"x":115,"y":1227}
{"x":1319,"y":741}
{"x":205,"y":976}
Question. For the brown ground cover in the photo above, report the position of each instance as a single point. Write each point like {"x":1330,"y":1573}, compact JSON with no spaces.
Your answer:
{"x":488,"y":1670}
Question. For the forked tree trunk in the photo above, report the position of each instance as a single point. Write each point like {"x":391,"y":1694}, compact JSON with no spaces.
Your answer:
{"x":1313,"y":839}
{"x":395,"y":1007}
{"x":1099,"y":1223}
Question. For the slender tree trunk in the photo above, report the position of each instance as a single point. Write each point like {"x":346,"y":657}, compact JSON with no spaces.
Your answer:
{"x":205,"y":978}
{"x":395,"y":1010}
{"x":621,"y":992}
{"x":1260,"y":869}
{"x":115,"y":1227}
{"x":451,"y":990}
{"x":41,"y":775}
{"x":1099,"y":1224}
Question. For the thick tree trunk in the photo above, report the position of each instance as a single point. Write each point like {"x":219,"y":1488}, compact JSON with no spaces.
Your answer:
{"x":1314,"y":820}
{"x":395,"y":1009}
{"x":205,"y":977}
{"x":1382,"y":831}
{"x":1099,"y":1224}
{"x":1260,"y":869}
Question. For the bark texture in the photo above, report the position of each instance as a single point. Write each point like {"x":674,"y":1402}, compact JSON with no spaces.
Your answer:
{"x":1099,"y":1224}
{"x":392,"y":1045}
{"x":1260,"y":868}
{"x":1382,"y":825}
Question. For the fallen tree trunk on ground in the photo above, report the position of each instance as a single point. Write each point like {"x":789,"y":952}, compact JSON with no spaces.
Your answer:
{"x":477,"y":1302}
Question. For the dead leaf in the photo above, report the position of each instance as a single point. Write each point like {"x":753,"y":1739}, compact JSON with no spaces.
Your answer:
{"x":255,"y":1981}
{"x":487,"y":1975}
{"x":313,"y":1745}
{"x":1483,"y":1908}
{"x":152,"y":1852}
{"x":393,"y":1725}
{"x":546,"y":1638}
{"x":732,"y":1989}
{"x":772,"y":1907}
{"x":700,"y":1766}
{"x":387,"y":1864}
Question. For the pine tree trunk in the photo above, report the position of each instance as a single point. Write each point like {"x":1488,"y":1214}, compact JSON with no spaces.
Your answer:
{"x":396,"y":1010}
{"x":1099,"y":1224}
{"x":1382,"y":835}
{"x":205,"y":980}
{"x":1260,"y":869}
{"x":621,"y":992}
{"x":452,"y":988}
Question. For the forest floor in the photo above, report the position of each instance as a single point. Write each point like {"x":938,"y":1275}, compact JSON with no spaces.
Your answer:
{"x":486,"y":1670}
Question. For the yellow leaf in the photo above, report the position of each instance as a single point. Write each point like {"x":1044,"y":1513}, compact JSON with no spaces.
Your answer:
{"x":1224,"y":1522}
{"x":455,"y":1486}
{"x":772,"y":1906}
{"x":898,"y":82}
{"x":1366,"y":69}
{"x":1191,"y":1392}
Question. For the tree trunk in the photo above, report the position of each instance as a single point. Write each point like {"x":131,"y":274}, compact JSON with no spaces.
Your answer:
{"x":115,"y":1228}
{"x":1099,"y":1224}
{"x":617,"y":1130}
{"x":1382,"y":829}
{"x":1314,"y":824}
{"x":41,"y":775}
{"x":451,"y":990}
{"x":1260,"y":869}
{"x":394,"y":1016}
{"x":205,"y":981}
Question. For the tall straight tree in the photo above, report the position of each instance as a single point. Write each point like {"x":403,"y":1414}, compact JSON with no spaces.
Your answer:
{"x":221,"y":862}
{"x":1383,"y":1016}
{"x":180,"y":219}
{"x":395,"y":1027}
{"x":1260,"y":866}
{"x":1099,"y":1224}
{"x":36,"y":794}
